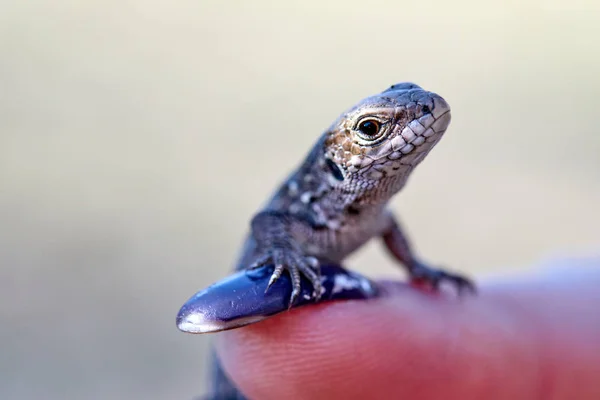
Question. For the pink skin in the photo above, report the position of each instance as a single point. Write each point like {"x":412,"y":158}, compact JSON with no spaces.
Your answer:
{"x":531,"y":337}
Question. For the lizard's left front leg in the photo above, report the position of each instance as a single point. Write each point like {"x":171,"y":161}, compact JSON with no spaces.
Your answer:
{"x":396,"y":242}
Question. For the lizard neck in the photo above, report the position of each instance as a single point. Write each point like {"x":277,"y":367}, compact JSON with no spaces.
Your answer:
{"x":321,"y":195}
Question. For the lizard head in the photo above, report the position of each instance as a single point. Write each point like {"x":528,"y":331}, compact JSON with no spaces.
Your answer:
{"x":386,"y":135}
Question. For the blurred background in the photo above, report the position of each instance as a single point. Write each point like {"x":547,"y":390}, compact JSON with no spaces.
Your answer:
{"x":137,"y":138}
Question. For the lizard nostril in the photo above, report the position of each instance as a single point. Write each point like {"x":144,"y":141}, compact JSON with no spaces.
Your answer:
{"x":425,"y":109}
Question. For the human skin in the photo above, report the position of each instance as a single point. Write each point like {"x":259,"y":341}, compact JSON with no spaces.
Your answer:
{"x":534,"y":336}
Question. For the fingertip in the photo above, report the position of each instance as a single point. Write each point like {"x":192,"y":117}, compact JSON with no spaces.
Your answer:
{"x":407,"y":342}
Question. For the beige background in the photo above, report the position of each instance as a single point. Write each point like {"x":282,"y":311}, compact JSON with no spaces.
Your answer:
{"x":138,"y":137}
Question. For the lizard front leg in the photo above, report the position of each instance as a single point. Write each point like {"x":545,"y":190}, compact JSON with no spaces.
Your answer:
{"x":279,"y":238}
{"x":397,"y":244}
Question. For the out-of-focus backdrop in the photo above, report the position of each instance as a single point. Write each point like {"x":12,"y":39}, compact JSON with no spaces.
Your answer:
{"x":138,"y":137}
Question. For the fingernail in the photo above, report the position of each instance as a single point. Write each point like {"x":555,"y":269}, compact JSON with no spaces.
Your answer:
{"x":240,"y":299}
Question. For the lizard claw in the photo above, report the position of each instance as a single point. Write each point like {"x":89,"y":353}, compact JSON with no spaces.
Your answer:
{"x":297,"y":265}
{"x":421,"y":273}
{"x":276,"y":274}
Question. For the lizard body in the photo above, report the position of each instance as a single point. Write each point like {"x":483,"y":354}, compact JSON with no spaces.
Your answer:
{"x":337,"y":199}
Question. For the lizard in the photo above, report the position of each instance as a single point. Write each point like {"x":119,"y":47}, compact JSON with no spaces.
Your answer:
{"x":338,"y":198}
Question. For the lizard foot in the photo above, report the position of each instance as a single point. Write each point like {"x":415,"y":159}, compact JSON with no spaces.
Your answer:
{"x":296,"y":264}
{"x":421,"y":273}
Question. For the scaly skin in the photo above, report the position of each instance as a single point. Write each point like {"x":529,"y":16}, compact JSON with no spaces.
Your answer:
{"x":336,"y":200}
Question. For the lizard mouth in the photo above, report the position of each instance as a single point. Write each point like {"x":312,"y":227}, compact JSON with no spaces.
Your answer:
{"x":419,"y":133}
{"x":404,"y":150}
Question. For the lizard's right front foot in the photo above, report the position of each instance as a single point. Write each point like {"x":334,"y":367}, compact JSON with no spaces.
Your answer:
{"x":296,"y":264}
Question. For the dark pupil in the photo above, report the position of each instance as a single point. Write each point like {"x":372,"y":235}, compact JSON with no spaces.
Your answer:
{"x":369,"y":128}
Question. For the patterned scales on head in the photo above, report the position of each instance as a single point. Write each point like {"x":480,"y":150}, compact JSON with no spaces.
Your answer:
{"x":366,"y":156}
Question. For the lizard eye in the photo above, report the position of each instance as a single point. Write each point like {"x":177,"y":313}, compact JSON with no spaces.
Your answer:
{"x":369,"y":127}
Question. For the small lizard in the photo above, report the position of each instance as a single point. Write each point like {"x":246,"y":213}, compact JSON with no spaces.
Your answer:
{"x":337,"y":199}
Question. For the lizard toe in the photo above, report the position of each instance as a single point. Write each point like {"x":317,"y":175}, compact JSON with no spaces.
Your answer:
{"x":296,"y":287}
{"x":421,"y":273}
